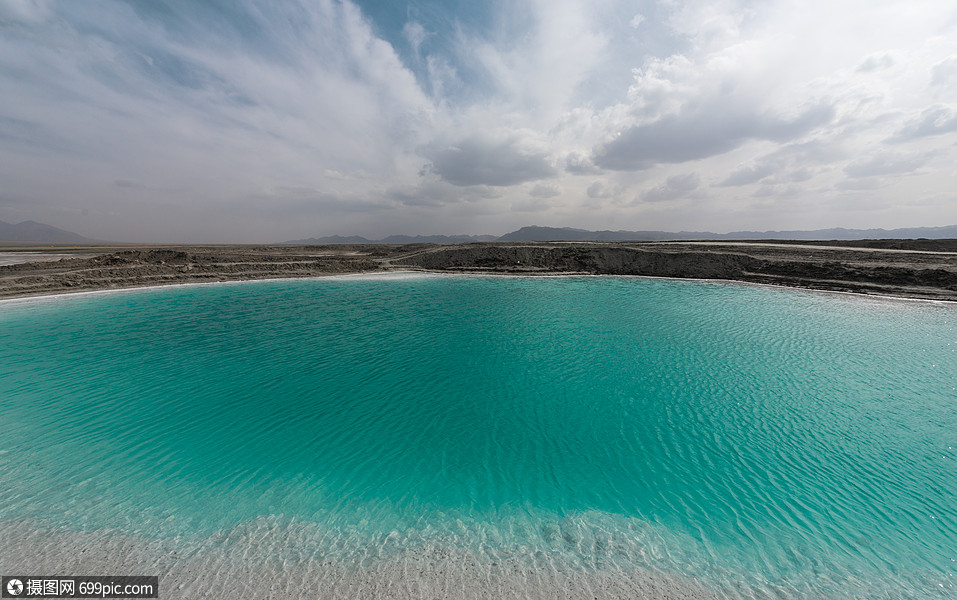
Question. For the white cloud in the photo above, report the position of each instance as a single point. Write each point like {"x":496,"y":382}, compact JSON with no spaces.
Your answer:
{"x":293,"y":113}
{"x":675,"y":187}
{"x":748,"y":174}
{"x":933,"y":121}
{"x":944,"y":73}
{"x":876,"y":62}
{"x":545,"y":190}
{"x":415,"y":34}
{"x":29,"y":11}
{"x":538,"y":75}
{"x":344,"y":102}
{"x":598,"y":190}
{"x":885,"y":164}
{"x":580,"y":165}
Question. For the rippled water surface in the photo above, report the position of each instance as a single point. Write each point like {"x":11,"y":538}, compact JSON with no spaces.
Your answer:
{"x":764,"y":442}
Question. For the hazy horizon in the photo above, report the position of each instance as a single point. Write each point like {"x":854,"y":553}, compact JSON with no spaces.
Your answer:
{"x":927,"y":232}
{"x":245,"y":122}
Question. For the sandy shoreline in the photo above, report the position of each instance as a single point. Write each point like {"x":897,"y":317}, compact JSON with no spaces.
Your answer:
{"x":894,"y":271}
{"x":268,"y":559}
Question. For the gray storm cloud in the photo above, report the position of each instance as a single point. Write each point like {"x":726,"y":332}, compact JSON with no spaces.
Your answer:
{"x":478,"y":161}
{"x":701,"y":133}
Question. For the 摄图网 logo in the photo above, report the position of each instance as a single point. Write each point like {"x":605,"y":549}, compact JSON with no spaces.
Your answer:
{"x":14,"y":587}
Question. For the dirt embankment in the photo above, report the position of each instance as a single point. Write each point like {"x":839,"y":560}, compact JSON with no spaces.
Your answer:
{"x":594,"y":259}
{"x":863,"y":270}
{"x":125,"y":268}
{"x":871,"y":269}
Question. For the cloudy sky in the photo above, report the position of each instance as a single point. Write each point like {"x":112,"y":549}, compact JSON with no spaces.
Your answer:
{"x":268,"y":120}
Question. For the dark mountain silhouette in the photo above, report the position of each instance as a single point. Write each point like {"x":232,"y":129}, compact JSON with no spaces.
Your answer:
{"x":31,"y":231}
{"x":568,"y":234}
{"x":396,"y":239}
{"x":331,"y":239}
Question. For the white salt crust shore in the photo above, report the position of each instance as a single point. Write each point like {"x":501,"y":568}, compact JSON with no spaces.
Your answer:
{"x":263,"y":562}
{"x":389,"y":275}
{"x":422,"y":274}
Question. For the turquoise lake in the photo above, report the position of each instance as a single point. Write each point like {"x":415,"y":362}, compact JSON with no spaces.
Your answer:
{"x":763,"y":442}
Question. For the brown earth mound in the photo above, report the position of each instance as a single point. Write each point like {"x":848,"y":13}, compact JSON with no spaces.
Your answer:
{"x":871,"y":267}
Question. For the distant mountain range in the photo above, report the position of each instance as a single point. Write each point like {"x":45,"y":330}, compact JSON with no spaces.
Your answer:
{"x":568,"y":234}
{"x":31,"y":231}
{"x":396,"y":239}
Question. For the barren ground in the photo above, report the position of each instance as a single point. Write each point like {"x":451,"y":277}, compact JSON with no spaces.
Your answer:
{"x":906,"y":268}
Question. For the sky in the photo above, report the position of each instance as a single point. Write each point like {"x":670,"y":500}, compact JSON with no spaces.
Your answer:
{"x":263,"y":121}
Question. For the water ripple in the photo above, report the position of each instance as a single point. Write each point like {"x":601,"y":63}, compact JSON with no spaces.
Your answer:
{"x":767,"y":444}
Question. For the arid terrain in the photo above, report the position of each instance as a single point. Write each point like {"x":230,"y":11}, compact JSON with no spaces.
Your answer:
{"x":906,"y":268}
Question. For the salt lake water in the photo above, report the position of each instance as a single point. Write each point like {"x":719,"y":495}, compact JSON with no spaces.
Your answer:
{"x":761,"y":442}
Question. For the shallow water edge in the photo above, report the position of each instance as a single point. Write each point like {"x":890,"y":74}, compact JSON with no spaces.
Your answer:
{"x":421,"y":274}
{"x":276,"y":558}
